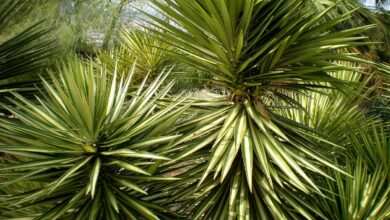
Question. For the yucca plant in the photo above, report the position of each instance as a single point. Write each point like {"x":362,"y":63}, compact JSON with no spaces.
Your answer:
{"x":243,"y":160}
{"x":365,"y":155}
{"x":366,"y":195}
{"x":85,"y":146}
{"x":141,"y":47}
{"x":147,"y":49}
{"x":363,"y":15}
{"x":23,"y":54}
{"x":332,"y":112}
{"x":119,"y":58}
{"x":381,"y":102}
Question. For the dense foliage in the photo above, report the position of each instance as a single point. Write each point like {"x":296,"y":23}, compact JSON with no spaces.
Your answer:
{"x":291,"y":122}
